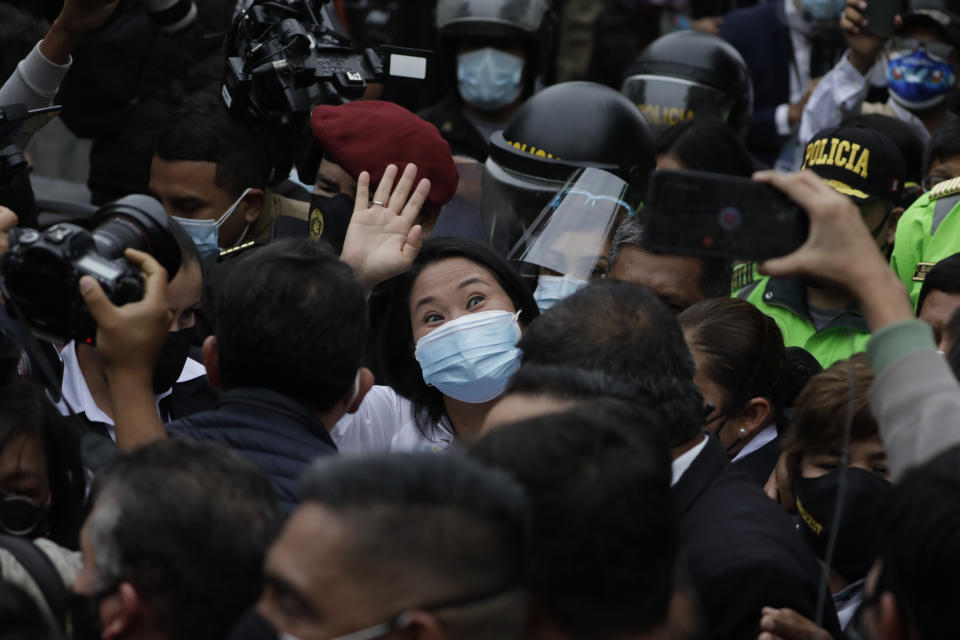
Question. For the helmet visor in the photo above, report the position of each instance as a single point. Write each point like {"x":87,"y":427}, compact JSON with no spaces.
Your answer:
{"x":572,"y":234}
{"x":521,"y":14}
{"x":511,"y":203}
{"x":665,"y":101}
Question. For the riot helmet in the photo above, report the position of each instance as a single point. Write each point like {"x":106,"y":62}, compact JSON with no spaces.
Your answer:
{"x":565,"y":127}
{"x":529,"y":23}
{"x":687,"y":74}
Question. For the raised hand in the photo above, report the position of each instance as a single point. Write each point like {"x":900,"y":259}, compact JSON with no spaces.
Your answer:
{"x":786,"y":624}
{"x":864,"y":46}
{"x":382,"y":239}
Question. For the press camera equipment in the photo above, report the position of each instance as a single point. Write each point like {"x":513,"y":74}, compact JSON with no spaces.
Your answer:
{"x":41,"y":269}
{"x":17,"y":122}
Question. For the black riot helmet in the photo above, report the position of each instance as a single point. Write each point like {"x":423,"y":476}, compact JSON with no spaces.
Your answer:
{"x":530,"y":23}
{"x":689,"y":73}
{"x":563,"y":128}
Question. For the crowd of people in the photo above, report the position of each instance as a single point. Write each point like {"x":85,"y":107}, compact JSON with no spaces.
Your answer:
{"x":413,"y":362}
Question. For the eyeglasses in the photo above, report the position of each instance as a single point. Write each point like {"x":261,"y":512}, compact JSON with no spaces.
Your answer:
{"x":939,"y":50}
{"x":929,"y":182}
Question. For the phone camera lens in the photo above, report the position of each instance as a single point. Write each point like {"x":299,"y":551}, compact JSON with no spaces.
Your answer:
{"x":729,"y":219}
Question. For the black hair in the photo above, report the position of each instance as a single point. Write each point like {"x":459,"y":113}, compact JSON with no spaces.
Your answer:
{"x":743,"y":351}
{"x":900,"y":134}
{"x":943,"y":276}
{"x":569,"y":383}
{"x":188,"y":524}
{"x":604,"y":539}
{"x":446,"y":526}
{"x":19,"y":33}
{"x":397,"y":363}
{"x":292,"y":317}
{"x":625,"y":331}
{"x":203,"y":131}
{"x":919,"y":545}
{"x":944,"y":143}
{"x":26,"y":410}
{"x":953,"y":329}
{"x":715,"y":279}
{"x":706,"y":144}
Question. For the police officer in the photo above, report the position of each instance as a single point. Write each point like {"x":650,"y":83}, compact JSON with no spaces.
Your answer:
{"x":566,"y":127}
{"x":502,"y":49}
{"x":686,"y":74}
{"x":866,"y":166}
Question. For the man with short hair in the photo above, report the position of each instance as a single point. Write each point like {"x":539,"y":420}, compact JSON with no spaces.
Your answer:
{"x":940,"y":297}
{"x":730,"y":533}
{"x":174,"y":545}
{"x":415,"y":545}
{"x":214,"y":176}
{"x":604,"y":537}
{"x":679,"y":281}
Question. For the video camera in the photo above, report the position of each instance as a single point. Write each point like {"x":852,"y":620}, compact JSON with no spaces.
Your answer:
{"x":41,"y":269}
{"x":284,"y":57}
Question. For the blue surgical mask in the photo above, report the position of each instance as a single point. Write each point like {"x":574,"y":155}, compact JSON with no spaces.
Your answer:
{"x":206,"y":233}
{"x":553,"y":289}
{"x":489,"y":78}
{"x":822,"y":10}
{"x":473,"y":357}
{"x":918,"y":80}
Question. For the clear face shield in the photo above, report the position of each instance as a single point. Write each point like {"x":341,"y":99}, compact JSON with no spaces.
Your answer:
{"x":666,"y":101}
{"x":524,"y":14}
{"x":569,"y":242}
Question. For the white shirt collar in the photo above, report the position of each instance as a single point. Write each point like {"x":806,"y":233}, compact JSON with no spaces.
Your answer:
{"x":76,"y":395}
{"x":769,"y":434}
{"x":683,"y":462}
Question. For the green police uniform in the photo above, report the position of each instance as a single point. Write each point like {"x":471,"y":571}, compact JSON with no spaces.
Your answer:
{"x":785,"y":300}
{"x":928,"y":232}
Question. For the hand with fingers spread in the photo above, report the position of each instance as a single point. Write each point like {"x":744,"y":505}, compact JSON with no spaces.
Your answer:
{"x":786,"y":624}
{"x":383,"y":239}
{"x":839,"y":249}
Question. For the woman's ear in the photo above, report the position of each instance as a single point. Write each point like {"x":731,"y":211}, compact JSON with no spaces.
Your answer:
{"x":754,"y":416}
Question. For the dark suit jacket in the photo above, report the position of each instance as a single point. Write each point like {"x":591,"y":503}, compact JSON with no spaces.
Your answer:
{"x":761,"y":35}
{"x":759,"y":465}
{"x":742,"y":550}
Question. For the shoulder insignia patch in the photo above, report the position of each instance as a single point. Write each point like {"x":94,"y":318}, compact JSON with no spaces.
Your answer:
{"x":947,"y":188}
{"x":920,"y":274}
{"x":743,"y":275}
{"x":316,"y":223}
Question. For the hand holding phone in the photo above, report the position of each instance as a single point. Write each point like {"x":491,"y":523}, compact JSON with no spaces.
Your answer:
{"x":717,"y":215}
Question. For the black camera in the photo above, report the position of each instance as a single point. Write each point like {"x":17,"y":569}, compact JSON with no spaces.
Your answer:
{"x":284,"y":57}
{"x":41,"y":269}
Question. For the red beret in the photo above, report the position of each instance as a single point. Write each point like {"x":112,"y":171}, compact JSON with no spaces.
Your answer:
{"x":368,"y":135}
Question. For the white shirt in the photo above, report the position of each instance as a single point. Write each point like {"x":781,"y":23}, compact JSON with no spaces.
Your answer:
{"x":75,"y":394}
{"x":769,"y":434}
{"x":842,"y":92}
{"x":384,"y":422}
{"x":680,"y":464}
{"x":799,"y":70}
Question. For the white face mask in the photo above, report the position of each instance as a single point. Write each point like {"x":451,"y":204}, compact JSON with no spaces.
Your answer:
{"x":553,"y":289}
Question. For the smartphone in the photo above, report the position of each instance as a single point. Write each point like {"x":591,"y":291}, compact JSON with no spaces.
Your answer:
{"x":717,"y":215}
{"x":880,"y":15}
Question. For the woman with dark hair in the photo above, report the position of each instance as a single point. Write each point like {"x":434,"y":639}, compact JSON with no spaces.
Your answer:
{"x":447,"y":349}
{"x":42,"y":481}
{"x":743,"y":373}
{"x":704,"y":144}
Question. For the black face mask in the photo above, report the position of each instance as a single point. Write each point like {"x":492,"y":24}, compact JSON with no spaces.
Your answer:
{"x":173,"y":356}
{"x":330,"y":217}
{"x":20,"y":516}
{"x":856,"y":541}
{"x":252,"y":626}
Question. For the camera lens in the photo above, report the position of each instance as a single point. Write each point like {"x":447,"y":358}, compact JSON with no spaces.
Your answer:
{"x":137,"y":222}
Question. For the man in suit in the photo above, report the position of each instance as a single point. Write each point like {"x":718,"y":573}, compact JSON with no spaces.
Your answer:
{"x":787,"y":46}
{"x":730,"y":534}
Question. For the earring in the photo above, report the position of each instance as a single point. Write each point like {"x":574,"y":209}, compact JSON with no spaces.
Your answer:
{"x":742,"y":433}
